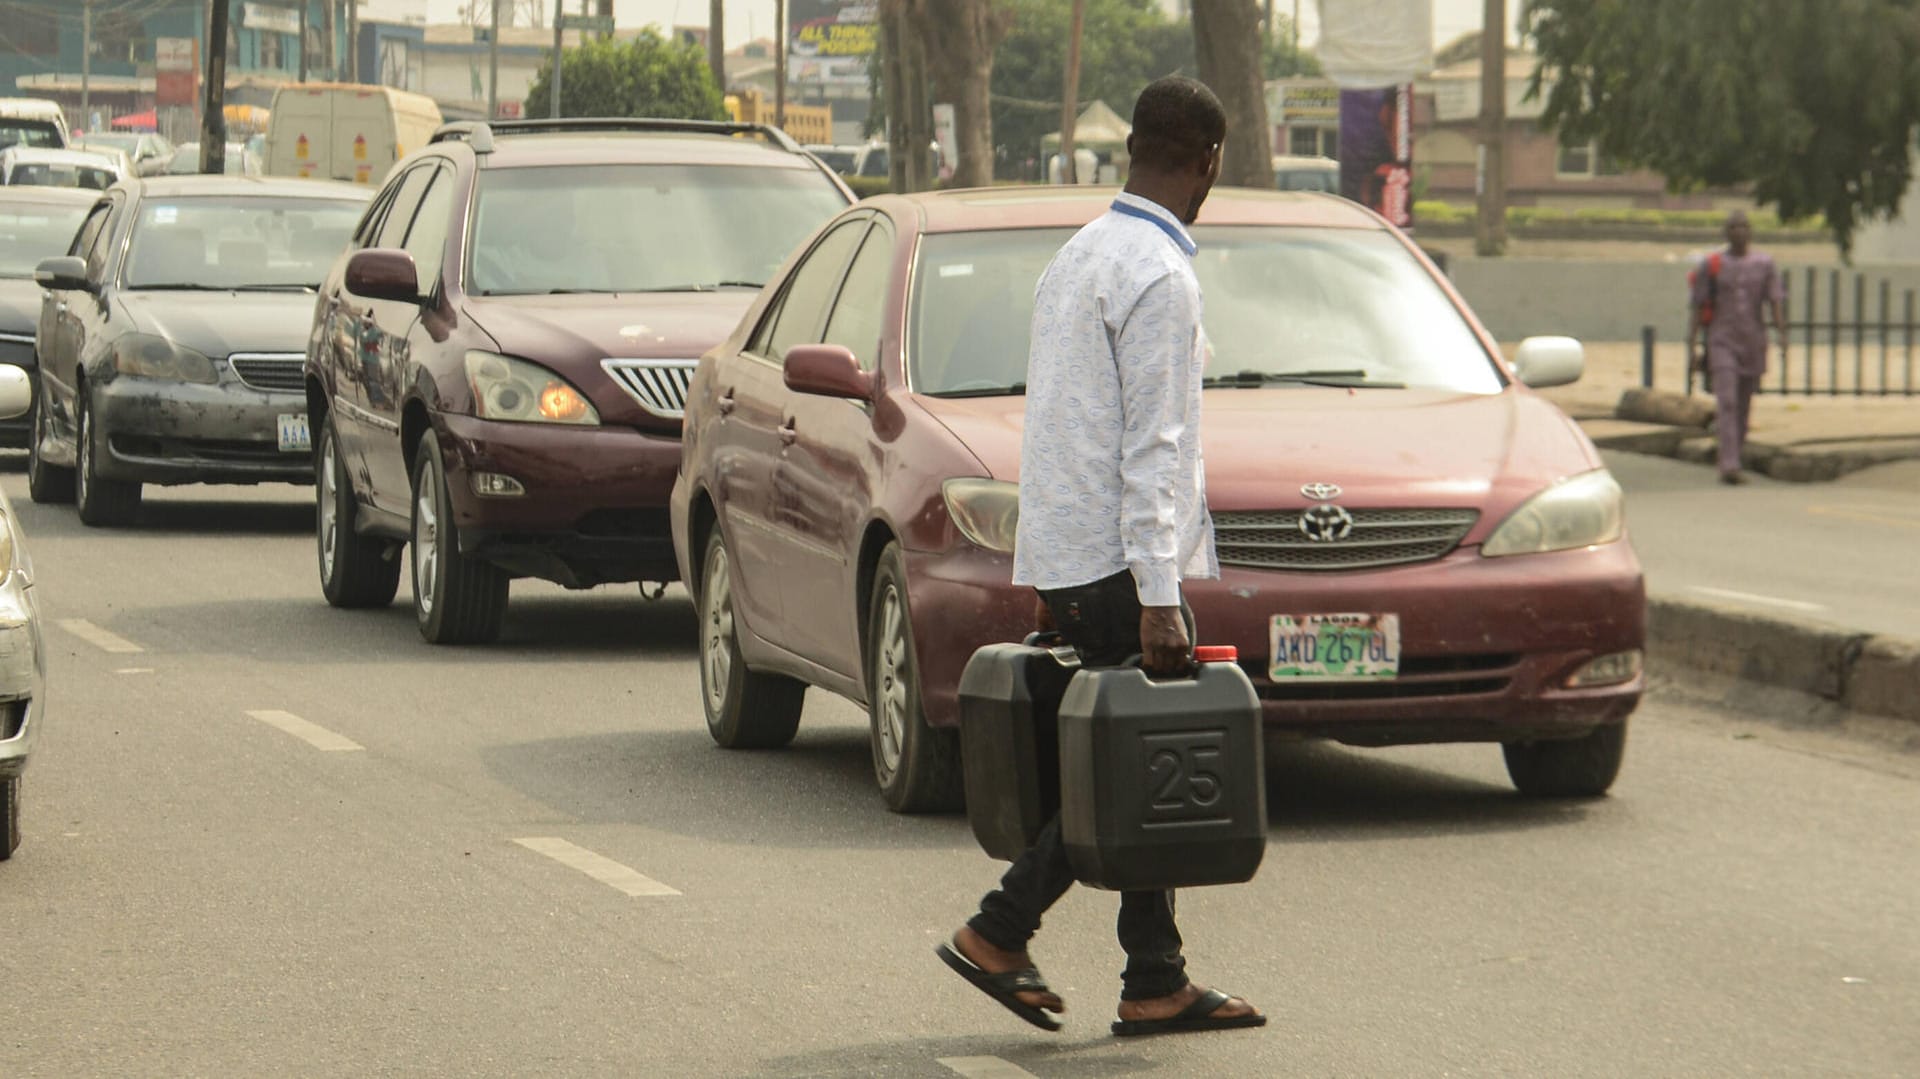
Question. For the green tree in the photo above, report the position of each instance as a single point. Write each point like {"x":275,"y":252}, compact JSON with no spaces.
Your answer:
{"x":645,"y":75}
{"x":1813,"y":104}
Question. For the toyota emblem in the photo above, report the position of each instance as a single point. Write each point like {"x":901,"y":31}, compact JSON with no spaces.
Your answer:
{"x":1321,"y":492}
{"x":1326,"y":524}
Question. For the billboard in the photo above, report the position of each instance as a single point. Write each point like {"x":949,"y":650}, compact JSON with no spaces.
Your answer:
{"x":830,"y":41}
{"x":1376,"y":151}
{"x":176,"y":72}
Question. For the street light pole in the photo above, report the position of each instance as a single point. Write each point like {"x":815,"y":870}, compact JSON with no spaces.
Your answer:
{"x":559,"y":13}
{"x":780,"y":64}
{"x":493,"y":65}
{"x":1070,"y":93}
{"x":213,"y":118}
{"x":1490,"y":226}
{"x":86,"y":64}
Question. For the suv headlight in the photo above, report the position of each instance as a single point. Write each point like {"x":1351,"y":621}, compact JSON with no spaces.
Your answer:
{"x":1584,"y":511}
{"x":505,"y":388}
{"x":987,"y":512}
{"x":149,"y":356}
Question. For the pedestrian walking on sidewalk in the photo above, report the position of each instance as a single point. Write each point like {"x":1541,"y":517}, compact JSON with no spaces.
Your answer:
{"x":1736,"y":293}
{"x":1113,"y":515}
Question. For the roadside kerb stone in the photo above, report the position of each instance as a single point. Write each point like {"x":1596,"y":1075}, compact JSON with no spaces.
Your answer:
{"x":1661,"y":406}
{"x":1876,"y":675}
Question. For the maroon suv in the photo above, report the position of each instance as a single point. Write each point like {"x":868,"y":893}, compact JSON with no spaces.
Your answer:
{"x":498,"y":364}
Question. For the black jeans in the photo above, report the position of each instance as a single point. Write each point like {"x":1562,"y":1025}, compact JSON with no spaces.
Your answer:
{"x":1102,"y":622}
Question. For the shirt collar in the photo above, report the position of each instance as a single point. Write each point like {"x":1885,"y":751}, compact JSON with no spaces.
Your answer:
{"x":1135,"y":206}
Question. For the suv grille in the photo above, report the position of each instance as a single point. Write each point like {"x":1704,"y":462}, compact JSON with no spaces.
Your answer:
{"x":1272,"y":539}
{"x":659,"y":385}
{"x":269,"y":370}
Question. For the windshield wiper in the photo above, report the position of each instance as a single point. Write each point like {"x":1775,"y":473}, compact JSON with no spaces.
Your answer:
{"x":1351,"y":378}
{"x":285,"y":286}
{"x":1018,"y":389}
{"x":175,"y":286}
{"x":714,"y":286}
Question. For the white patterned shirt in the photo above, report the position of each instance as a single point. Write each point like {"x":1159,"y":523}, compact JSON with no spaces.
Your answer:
{"x":1110,"y":471}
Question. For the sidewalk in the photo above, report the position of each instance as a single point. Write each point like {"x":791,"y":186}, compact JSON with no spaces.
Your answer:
{"x":1795,"y":438}
{"x":1786,"y":586}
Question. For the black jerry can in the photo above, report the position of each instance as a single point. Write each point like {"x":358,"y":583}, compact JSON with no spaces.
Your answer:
{"x":1163,"y":783}
{"x":1009,"y":742}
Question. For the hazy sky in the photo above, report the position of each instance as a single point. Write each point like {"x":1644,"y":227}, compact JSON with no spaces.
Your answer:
{"x":754,"y":18}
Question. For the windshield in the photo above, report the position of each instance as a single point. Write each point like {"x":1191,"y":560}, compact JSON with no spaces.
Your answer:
{"x":17,"y":132}
{"x":31,"y":233}
{"x":1327,"y":180}
{"x":61,"y":174}
{"x":640,"y":228}
{"x":129,"y":143}
{"x":224,"y":242}
{"x":186,"y":160}
{"x":840,"y":161}
{"x":1297,"y":306}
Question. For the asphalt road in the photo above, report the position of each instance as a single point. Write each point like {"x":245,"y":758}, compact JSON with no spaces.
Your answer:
{"x":279,"y":839}
{"x":1830,"y":552}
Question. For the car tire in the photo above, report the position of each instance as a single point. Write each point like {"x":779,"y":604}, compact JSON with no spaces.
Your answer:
{"x":355,"y":571}
{"x":745,"y":709}
{"x":9,"y":816}
{"x":917,"y":766}
{"x":457,"y":598}
{"x":103,"y":503}
{"x":1581,"y":767}
{"x":47,"y":484}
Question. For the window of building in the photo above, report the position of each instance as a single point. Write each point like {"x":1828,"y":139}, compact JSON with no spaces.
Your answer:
{"x":1313,"y":141}
{"x":1584,"y":162}
{"x":270,"y":49}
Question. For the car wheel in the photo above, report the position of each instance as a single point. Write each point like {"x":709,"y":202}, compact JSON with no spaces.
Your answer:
{"x":745,"y":709}
{"x":102,"y":502}
{"x":9,"y":817}
{"x":457,"y":598}
{"x":355,"y":570}
{"x":917,"y":766}
{"x":47,"y":484}
{"x":1581,"y":767}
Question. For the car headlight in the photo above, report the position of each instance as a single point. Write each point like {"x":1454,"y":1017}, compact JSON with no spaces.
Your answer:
{"x":1583,"y":511}
{"x":505,"y":388}
{"x":987,"y":512}
{"x":150,"y":356}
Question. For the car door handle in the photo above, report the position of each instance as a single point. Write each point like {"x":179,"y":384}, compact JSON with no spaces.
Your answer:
{"x":724,"y":404}
{"x":789,"y":434}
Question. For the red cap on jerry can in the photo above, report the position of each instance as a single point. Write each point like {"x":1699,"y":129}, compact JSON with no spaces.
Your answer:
{"x":1216,"y":653}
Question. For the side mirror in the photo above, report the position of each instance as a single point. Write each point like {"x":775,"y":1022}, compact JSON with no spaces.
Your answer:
{"x":827,"y":371}
{"x":1549,"y":361}
{"x":383,"y":273}
{"x":62,"y":272}
{"x":16,"y":392}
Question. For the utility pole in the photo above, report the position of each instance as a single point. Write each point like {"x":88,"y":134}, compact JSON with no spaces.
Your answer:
{"x":717,"y":43}
{"x":1070,"y":93}
{"x":559,"y":13}
{"x":213,"y":117}
{"x":86,"y":64}
{"x":332,"y":50}
{"x":493,"y":65}
{"x":353,"y":40}
{"x":301,"y":41}
{"x":780,"y":64}
{"x":1490,"y":228}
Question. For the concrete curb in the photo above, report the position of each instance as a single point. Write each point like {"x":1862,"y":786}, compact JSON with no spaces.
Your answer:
{"x":1666,"y":424}
{"x":1862,"y":672}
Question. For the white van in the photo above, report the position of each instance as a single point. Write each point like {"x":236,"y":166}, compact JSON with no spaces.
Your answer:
{"x":345,"y":131}
{"x":32,"y":121}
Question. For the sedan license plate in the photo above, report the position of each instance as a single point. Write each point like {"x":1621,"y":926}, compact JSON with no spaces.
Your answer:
{"x":1334,"y":647}
{"x":294,"y":437}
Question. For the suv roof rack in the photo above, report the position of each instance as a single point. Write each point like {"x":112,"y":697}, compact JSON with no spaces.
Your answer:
{"x":479,"y":133}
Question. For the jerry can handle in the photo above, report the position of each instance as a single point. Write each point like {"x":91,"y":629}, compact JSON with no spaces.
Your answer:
{"x":1053,"y":641}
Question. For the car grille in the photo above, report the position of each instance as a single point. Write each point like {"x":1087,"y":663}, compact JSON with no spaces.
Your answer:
{"x":659,"y":385}
{"x":1272,"y":539}
{"x":269,"y":370}
{"x":1420,"y":676}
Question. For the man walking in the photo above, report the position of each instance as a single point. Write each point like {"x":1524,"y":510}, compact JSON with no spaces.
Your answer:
{"x":1112,"y":517}
{"x":1731,"y":293}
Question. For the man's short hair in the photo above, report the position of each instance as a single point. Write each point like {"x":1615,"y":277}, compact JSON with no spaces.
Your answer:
{"x":1176,"y":123}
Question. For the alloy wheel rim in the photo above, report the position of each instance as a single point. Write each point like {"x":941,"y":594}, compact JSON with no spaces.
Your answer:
{"x":890,"y":689}
{"x":83,"y":435}
{"x":329,"y":513}
{"x":717,"y":624}
{"x":426,"y":546}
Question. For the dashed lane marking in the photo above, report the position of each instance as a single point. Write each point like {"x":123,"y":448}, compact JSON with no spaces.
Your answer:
{"x":99,"y":638}
{"x":311,"y":733}
{"x":984,"y":1068}
{"x":1754,"y":597}
{"x":1869,"y":516}
{"x":600,"y":868}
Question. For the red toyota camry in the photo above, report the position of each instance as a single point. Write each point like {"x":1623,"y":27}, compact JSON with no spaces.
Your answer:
{"x":1415,"y":546}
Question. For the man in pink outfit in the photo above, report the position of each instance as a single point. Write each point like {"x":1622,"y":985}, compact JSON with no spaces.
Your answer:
{"x":1733,"y":291}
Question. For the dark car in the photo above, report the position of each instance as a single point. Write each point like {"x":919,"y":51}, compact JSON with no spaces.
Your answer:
{"x":35,"y":223}
{"x":170,"y":338}
{"x":497,"y":369}
{"x":1416,"y":547}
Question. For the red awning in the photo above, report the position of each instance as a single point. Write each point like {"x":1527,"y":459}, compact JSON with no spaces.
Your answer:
{"x":141,"y":121}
